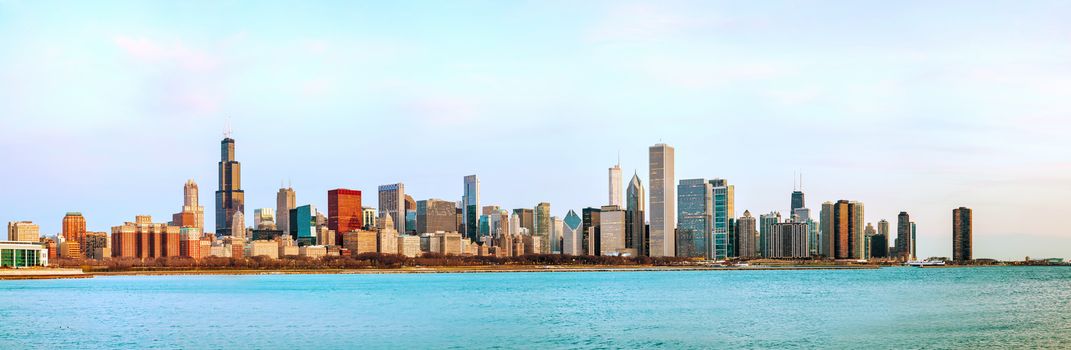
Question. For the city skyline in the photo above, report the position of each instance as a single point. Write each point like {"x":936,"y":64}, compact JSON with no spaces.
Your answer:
{"x":167,"y":89}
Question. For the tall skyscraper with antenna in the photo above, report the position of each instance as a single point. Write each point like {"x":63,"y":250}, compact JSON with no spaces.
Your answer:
{"x":230,"y":198}
{"x":797,"y":195}
{"x":615,"y":185}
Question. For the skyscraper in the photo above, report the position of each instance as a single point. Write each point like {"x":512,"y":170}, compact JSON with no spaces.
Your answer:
{"x":724,"y":212}
{"x":303,"y":225}
{"x":634,"y":219}
{"x":747,"y":236}
{"x":797,"y":201}
{"x":74,"y":228}
{"x":845,"y":229}
{"x":392,"y":201}
{"x":769,"y":236}
{"x":589,"y":231}
{"x":229,"y":198}
{"x":541,"y":221}
{"x":527,"y":217}
{"x":285,"y":200}
{"x":264,"y":219}
{"x":435,"y":215}
{"x":825,"y":224}
{"x":695,"y":210}
{"x":571,"y":235}
{"x":192,"y":214}
{"x":612,"y":231}
{"x":344,"y":211}
{"x":663,"y":194}
{"x":470,"y":205}
{"x":903,"y":236}
{"x":615,"y":185}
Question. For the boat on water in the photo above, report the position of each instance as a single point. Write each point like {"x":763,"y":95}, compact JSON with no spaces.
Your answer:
{"x":925,"y":263}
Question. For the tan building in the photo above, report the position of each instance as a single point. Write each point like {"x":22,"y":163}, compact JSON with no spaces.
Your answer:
{"x":98,"y":245}
{"x":532,"y":245}
{"x":409,"y":246}
{"x":313,"y":251}
{"x":326,"y":236}
{"x":23,"y":231}
{"x":360,"y":242}
{"x":264,"y":248}
{"x":612,"y":231}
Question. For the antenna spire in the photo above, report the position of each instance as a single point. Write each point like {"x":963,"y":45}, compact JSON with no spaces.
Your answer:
{"x":227,"y":128}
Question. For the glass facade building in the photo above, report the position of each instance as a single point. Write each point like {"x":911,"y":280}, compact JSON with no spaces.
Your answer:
{"x":470,"y":205}
{"x":695,"y":212}
{"x":724,"y":212}
{"x":303,"y":225}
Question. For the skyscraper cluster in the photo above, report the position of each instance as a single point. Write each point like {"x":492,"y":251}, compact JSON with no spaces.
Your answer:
{"x":689,"y":218}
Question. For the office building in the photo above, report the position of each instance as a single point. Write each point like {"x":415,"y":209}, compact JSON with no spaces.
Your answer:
{"x":879,"y":246}
{"x":571,"y":236}
{"x":230,"y":198}
{"x":590,"y":231}
{"x":556,"y":234}
{"x":769,"y":237}
{"x":192,"y":214}
{"x":615,"y":186}
{"x":285,"y":200}
{"x":409,"y":246}
{"x":695,"y":212}
{"x":144,"y":239}
{"x":264,"y":219}
{"x":541,"y":224}
{"x":23,"y":231}
{"x":797,"y":201}
{"x":612,"y":232}
{"x":344,"y":211}
{"x":370,"y":217}
{"x":663,"y":210}
{"x":724,"y":212}
{"x":747,"y":245}
{"x":434,"y":215}
{"x":527,"y":219}
{"x":635,"y":223}
{"x":303,"y":225}
{"x":74,"y":230}
{"x":962,"y":234}
{"x":470,"y":203}
{"x":392,"y":202}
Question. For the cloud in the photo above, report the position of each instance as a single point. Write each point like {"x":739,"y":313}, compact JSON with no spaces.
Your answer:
{"x":179,"y":79}
{"x":633,"y":22}
{"x":149,"y":51}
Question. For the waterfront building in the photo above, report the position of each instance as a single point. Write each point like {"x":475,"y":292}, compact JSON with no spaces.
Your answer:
{"x":74,"y":230}
{"x":192,"y":214}
{"x":409,"y":246}
{"x":23,"y":231}
{"x":571,"y":234}
{"x":903,"y":236}
{"x":435,"y":215}
{"x":541,"y":224}
{"x":825,"y":225}
{"x":788,"y":240}
{"x":326,"y":237}
{"x":344,"y":211}
{"x":285,"y":200}
{"x":312,"y":251}
{"x":189,"y":242}
{"x":50,"y":244}
{"x":470,"y":202}
{"x":615,"y":186}
{"x":769,"y":239}
{"x":843,"y":229}
{"x":723,"y":210}
{"x":868,"y":233}
{"x":266,"y":248}
{"x":70,"y":249}
{"x":747,"y":237}
{"x":230,"y":198}
{"x":635,"y":224}
{"x":145,"y":239}
{"x":360,"y":242}
{"x":914,"y":254}
{"x":14,"y":254}
{"x":303,"y":225}
{"x":612,"y":232}
{"x":264,"y":219}
{"x":695,"y":214}
{"x":879,"y":246}
{"x":590,"y":232}
{"x":663,"y":209}
{"x":962,"y":234}
{"x":98,"y":246}
{"x":392,"y":202}
{"x":883,"y":229}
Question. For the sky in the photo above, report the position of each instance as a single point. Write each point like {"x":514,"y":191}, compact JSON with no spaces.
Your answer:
{"x":921,"y":106}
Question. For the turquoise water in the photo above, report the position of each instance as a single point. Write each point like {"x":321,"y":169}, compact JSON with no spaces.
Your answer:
{"x":998,"y":307}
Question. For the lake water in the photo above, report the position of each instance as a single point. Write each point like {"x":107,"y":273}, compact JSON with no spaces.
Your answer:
{"x":962,"y":308}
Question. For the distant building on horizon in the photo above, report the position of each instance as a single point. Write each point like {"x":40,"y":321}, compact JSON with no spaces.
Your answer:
{"x":904,"y":242}
{"x":589,"y":231}
{"x":192,"y":214}
{"x":541,"y":222}
{"x":615,"y":186}
{"x":74,"y":231}
{"x":470,"y":205}
{"x":285,"y":200}
{"x":571,"y":234}
{"x":229,"y":198}
{"x":663,"y":209}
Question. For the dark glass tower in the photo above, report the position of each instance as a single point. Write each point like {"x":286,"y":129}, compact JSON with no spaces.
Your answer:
{"x":797,"y":202}
{"x":230,"y":198}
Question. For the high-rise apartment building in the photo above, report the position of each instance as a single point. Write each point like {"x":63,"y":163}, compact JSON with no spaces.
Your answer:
{"x":541,"y":223}
{"x":615,"y":185}
{"x":903,"y":236}
{"x":344,"y":211}
{"x":635,"y":223}
{"x":470,"y":204}
{"x":747,"y":245}
{"x":145,"y":239}
{"x":229,"y":198}
{"x":590,"y":231}
{"x":845,"y":229}
{"x":392,"y":201}
{"x":769,"y":237}
{"x":285,"y":200}
{"x":695,"y":212}
{"x":663,"y":210}
{"x":74,"y":230}
{"x":962,"y":234}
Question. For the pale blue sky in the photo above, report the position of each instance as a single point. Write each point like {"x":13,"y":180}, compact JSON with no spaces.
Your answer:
{"x":107,"y":107}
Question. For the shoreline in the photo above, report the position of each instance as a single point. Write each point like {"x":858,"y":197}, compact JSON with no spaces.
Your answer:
{"x":471,"y":269}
